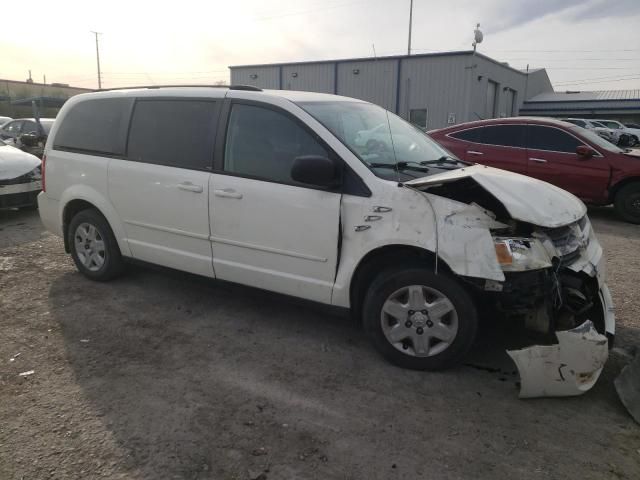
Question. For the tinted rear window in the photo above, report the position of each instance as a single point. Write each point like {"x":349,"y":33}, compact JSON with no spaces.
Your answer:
{"x":551,"y":139}
{"x":471,"y":135}
{"x":95,"y":126}
{"x":177,"y":133}
{"x":504,"y":135}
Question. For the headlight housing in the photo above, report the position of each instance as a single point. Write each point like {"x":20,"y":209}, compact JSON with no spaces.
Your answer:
{"x":516,"y":254}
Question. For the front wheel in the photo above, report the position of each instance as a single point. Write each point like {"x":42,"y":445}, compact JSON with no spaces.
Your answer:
{"x":627,"y":203}
{"x":418,"y":319}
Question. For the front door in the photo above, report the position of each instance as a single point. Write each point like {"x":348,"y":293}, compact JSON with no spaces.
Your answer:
{"x":552,"y":157}
{"x":268,"y":231}
{"x":161,"y":191}
{"x":502,"y":146}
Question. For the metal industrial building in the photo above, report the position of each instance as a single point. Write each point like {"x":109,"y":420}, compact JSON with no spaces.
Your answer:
{"x":621,"y":105}
{"x":431,"y":90}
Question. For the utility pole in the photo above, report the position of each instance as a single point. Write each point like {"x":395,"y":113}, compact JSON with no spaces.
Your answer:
{"x":98,"y":59}
{"x":410,"y":22}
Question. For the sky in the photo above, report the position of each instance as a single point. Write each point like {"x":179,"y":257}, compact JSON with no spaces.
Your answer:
{"x":584,"y":44}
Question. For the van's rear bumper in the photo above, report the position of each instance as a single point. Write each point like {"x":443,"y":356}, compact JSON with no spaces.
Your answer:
{"x":50,"y":214}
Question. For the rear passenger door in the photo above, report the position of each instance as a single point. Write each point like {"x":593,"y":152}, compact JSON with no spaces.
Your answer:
{"x":552,"y":157}
{"x":160,"y":190}
{"x":500,"y":146}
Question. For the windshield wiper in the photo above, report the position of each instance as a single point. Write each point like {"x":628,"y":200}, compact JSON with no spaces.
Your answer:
{"x":444,"y":159}
{"x":419,"y":167}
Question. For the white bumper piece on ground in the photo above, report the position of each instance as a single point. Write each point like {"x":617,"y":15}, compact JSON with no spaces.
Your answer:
{"x":568,"y":368}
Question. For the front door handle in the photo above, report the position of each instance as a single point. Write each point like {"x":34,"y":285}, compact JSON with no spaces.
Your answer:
{"x":190,"y":187}
{"x":539,"y":160}
{"x":227,"y":193}
{"x":473,"y":152}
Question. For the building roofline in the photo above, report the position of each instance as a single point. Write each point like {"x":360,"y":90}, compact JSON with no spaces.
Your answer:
{"x":22,"y":82}
{"x":389,"y":57}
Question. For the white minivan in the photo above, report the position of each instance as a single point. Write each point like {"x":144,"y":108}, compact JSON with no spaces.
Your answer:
{"x":272,"y":189}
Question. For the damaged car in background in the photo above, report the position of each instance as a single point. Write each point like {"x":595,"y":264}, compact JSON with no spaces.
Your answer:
{"x":291,"y":197}
{"x":20,"y":180}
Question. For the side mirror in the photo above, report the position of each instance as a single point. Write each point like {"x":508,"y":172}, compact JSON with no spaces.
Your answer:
{"x":584,"y":151}
{"x":314,"y":170}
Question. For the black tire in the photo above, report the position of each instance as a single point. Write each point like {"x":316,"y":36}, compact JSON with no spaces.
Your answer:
{"x":393,"y":280}
{"x":627,"y":202}
{"x":113,"y":264}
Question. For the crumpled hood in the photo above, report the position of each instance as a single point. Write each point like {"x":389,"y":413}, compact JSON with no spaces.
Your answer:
{"x":14,"y":162}
{"x":526,"y":199}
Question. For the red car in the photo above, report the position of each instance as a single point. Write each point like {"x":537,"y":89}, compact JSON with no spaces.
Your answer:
{"x":557,"y":152}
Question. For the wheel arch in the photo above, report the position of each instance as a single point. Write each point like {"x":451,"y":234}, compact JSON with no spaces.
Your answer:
{"x":381,"y":258}
{"x":613,"y":191}
{"x":75,"y":200}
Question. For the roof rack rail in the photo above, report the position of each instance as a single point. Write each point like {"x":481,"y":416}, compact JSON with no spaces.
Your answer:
{"x":250,"y":88}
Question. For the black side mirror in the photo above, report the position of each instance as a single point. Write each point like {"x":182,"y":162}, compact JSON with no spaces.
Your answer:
{"x":584,"y":151}
{"x":315,"y":170}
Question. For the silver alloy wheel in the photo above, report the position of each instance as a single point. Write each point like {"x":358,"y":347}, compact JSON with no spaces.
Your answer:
{"x":89,"y":246}
{"x":419,"y":321}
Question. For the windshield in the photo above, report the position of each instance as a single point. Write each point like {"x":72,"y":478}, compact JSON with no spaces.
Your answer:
{"x":597,"y":140}
{"x":391,"y":147}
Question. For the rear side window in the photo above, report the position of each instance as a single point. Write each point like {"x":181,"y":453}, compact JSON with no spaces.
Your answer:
{"x":95,"y":126}
{"x":471,"y":135}
{"x":264,"y":143}
{"x":504,"y":135}
{"x":551,"y":139}
{"x":178,"y":133}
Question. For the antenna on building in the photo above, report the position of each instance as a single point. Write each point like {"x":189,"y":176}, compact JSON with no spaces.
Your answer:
{"x":477,"y":37}
{"x":29,"y":80}
{"x":373,"y":45}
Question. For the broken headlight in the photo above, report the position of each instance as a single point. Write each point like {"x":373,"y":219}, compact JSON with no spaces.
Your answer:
{"x":520,"y":254}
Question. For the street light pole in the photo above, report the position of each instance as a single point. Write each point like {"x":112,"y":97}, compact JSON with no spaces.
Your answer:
{"x":410,"y":22}
{"x":98,"y":59}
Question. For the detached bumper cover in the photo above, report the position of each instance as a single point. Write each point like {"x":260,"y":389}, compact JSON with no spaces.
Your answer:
{"x":569,"y":368}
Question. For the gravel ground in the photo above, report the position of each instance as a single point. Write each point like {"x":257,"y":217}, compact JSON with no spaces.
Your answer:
{"x":162,"y":375}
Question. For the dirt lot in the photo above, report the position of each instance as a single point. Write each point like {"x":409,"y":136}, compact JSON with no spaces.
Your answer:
{"x":162,"y":375}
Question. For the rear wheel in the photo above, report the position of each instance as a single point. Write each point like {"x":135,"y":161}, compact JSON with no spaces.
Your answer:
{"x":94,"y":248}
{"x":627,"y":203}
{"x":418,"y":319}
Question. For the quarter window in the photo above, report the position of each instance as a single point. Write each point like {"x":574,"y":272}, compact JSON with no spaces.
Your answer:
{"x":551,"y":139}
{"x":177,"y":133}
{"x":471,"y":135}
{"x":264,"y":143}
{"x":95,"y":126}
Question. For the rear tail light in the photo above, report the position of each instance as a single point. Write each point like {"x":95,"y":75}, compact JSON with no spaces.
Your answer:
{"x":44,"y":159}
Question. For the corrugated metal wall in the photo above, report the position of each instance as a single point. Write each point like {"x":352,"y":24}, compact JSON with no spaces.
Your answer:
{"x":452,"y":88}
{"x":374,"y":81}
{"x":265,"y":77}
{"x":313,"y":77}
{"x":438,"y":84}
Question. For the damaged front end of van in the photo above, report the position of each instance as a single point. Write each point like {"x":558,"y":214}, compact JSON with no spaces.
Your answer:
{"x":529,"y":248}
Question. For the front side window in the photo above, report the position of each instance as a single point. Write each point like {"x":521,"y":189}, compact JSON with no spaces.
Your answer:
{"x":178,"y":133}
{"x":504,"y":135}
{"x":96,"y":126}
{"x":551,"y":139}
{"x":391,"y":147}
{"x":264,"y":143}
{"x":28,"y":126}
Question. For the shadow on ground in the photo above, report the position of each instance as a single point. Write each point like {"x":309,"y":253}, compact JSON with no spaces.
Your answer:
{"x":198,"y":379}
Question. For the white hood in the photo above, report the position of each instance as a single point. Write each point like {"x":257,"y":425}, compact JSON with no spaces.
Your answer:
{"x":14,"y":162}
{"x":526,"y":199}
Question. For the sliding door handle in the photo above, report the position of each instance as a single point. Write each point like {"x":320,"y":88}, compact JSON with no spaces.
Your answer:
{"x":190,"y":187}
{"x":227,"y":193}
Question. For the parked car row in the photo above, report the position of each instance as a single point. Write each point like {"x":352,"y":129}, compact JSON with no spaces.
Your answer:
{"x":20,"y":178}
{"x":563,"y":154}
{"x":611,"y":130}
{"x":28,"y":134}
